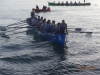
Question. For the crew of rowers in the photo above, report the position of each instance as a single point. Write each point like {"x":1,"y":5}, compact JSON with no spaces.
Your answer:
{"x":46,"y":25}
{"x":68,"y":3}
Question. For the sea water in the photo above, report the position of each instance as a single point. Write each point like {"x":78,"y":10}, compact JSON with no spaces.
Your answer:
{"x":27,"y":54}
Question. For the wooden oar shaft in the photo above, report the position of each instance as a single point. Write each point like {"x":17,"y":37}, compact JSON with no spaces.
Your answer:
{"x":87,"y":32}
{"x":16,"y":23}
{"x":16,"y":33}
{"x":17,"y":26}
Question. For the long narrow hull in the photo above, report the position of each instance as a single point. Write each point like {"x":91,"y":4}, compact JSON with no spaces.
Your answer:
{"x":42,"y":10}
{"x":53,"y":37}
{"x":56,"y":4}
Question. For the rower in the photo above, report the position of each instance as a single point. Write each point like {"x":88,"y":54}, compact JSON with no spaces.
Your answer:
{"x":43,"y":25}
{"x":48,"y":26}
{"x":66,"y":2}
{"x":58,"y":27}
{"x":40,"y":23}
{"x":71,"y":2}
{"x":53,"y":27}
{"x":79,"y":2}
{"x":75,"y":3}
{"x":59,"y":2}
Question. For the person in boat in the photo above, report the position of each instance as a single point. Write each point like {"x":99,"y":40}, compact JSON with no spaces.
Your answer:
{"x":58,"y":27}
{"x":62,"y":3}
{"x":33,"y":21}
{"x":75,"y":3}
{"x":32,"y":13}
{"x":41,"y":22}
{"x":79,"y":2}
{"x":59,"y":2}
{"x":38,"y":17}
{"x":71,"y":3}
{"x":67,"y":3}
{"x":29,"y":21}
{"x":42,"y":26}
{"x":63,"y":27}
{"x":38,"y":23}
{"x":44,"y":7}
{"x":41,"y":19}
{"x":48,"y":26}
{"x":37,"y":7}
{"x":53,"y":27}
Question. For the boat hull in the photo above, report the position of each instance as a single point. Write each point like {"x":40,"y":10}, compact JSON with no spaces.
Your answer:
{"x":59,"y":38}
{"x":54,"y":37}
{"x":56,"y":4}
{"x":42,"y":10}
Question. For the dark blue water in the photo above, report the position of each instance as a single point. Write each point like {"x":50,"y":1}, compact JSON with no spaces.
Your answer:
{"x":27,"y":54}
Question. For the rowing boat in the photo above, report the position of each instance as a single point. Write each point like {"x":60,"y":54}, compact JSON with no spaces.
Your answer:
{"x":77,"y":4}
{"x":59,"y":38}
{"x":42,"y":10}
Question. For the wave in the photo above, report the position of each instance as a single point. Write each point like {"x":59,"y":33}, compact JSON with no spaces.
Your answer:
{"x":25,"y":59}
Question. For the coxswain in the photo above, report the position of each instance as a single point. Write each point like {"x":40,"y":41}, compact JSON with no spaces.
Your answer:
{"x":38,"y":23}
{"x":63,"y":27}
{"x":41,"y":21}
{"x":32,"y":13}
{"x":62,"y":3}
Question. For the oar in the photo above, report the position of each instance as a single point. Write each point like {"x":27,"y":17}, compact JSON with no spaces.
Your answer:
{"x":80,"y":32}
{"x":7,"y":36}
{"x":77,"y":29}
{"x":16,"y":26}
{"x":24,"y":21}
{"x":3,"y":32}
{"x":87,"y":32}
{"x":3,"y":28}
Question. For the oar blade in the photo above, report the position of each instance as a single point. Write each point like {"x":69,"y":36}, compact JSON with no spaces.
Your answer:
{"x":2,"y":32}
{"x":3,"y":28}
